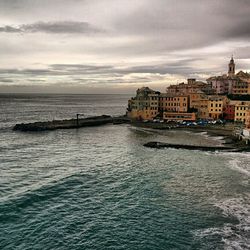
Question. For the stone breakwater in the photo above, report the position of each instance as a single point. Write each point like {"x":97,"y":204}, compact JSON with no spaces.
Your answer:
{"x":71,"y":123}
{"x":232,"y":144}
{"x":159,"y":145}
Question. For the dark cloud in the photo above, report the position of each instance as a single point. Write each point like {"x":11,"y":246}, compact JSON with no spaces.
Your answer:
{"x":180,"y":67}
{"x":9,"y":29}
{"x":5,"y":80}
{"x":240,"y":31}
{"x":65,"y":27}
{"x":82,"y":67}
{"x":243,"y":52}
{"x":176,"y":25}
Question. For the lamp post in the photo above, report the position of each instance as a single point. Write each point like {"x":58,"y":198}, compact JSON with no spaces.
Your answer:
{"x":77,"y":119}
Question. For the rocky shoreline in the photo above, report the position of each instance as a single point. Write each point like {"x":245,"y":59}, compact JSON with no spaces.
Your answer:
{"x":232,"y":148}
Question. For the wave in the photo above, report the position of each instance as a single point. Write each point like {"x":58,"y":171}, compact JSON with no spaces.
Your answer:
{"x":239,"y":162}
{"x":237,"y":165}
{"x":234,"y":235}
{"x":46,"y":191}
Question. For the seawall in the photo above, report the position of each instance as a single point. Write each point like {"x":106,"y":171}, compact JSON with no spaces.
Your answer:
{"x":71,"y":123}
{"x":159,"y":145}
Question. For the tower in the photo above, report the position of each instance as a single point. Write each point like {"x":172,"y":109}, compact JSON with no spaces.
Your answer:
{"x":231,"y":67}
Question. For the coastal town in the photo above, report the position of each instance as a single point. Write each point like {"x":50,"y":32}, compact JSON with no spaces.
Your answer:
{"x":222,"y":99}
{"x":219,"y":106}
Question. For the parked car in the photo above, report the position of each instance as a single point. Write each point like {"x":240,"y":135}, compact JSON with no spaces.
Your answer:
{"x":156,"y":120}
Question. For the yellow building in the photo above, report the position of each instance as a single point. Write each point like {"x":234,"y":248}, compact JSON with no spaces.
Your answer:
{"x":215,"y":106}
{"x":173,"y":103}
{"x":144,"y":106}
{"x":248,"y":120}
{"x":241,"y":111}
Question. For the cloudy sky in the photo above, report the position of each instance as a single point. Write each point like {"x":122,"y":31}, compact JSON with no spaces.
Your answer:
{"x":116,"y":46}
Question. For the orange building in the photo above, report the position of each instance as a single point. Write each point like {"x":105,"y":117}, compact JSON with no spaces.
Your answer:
{"x":203,"y":111}
{"x":195,"y":99}
{"x":173,"y":103}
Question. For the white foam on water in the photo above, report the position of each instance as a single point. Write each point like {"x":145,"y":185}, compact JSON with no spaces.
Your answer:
{"x":234,"y":236}
{"x":238,"y":208}
{"x":214,"y":138}
{"x":239,"y":162}
{"x":239,"y":166}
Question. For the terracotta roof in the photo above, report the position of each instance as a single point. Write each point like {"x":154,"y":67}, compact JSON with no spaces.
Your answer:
{"x":243,"y":74}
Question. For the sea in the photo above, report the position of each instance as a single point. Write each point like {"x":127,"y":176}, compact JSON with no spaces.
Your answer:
{"x":100,"y":188}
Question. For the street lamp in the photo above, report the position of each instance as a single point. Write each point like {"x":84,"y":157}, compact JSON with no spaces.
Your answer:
{"x":77,"y":118}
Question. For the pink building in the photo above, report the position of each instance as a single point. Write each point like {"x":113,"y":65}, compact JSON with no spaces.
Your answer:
{"x":224,"y":84}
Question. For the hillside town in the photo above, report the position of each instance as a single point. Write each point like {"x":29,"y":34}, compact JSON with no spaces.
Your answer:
{"x":223,"y":99}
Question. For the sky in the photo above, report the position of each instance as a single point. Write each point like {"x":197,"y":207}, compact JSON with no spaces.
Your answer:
{"x":117,"y":46}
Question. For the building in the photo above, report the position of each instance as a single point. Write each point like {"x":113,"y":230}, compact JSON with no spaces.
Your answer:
{"x":149,"y":104}
{"x":231,"y":67}
{"x":244,"y":76}
{"x":240,"y":87}
{"x":246,"y":130}
{"x":237,"y":84}
{"x":223,"y":84}
{"x":195,"y":98}
{"x":144,"y":106}
{"x":247,"y":123}
{"x":173,"y":103}
{"x":216,"y":104}
{"x":202,"y":110}
{"x":241,"y":111}
{"x":229,"y":112}
{"x":192,"y":86}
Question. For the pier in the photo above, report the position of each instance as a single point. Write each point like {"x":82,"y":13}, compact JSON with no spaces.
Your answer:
{"x":71,"y":123}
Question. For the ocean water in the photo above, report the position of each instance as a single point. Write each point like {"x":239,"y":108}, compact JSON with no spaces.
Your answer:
{"x":99,"y":188}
